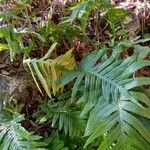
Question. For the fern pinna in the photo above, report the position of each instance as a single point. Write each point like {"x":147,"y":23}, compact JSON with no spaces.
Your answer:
{"x":115,"y":99}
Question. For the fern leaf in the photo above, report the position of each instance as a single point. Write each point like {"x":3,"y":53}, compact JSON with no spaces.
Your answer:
{"x":66,"y":118}
{"x":111,"y":88}
{"x":124,"y":130}
{"x":14,"y":137}
{"x":48,"y":70}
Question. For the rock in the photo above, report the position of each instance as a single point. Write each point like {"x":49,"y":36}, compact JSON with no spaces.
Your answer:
{"x":15,"y":87}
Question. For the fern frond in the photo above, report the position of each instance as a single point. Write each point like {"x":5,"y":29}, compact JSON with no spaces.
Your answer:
{"x":111,"y":88}
{"x":66,"y":118}
{"x":119,"y":121}
{"x":48,"y":70}
{"x":14,"y":137}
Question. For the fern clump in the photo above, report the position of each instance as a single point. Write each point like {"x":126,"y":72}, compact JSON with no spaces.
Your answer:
{"x":14,"y":137}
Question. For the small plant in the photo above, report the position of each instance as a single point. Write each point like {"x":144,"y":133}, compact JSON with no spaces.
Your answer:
{"x":14,"y":41}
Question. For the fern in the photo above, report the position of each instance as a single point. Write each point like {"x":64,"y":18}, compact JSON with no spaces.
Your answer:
{"x":110,"y":93}
{"x":114,"y":17}
{"x":48,"y":70}
{"x":64,"y":116}
{"x":14,"y":137}
{"x":56,"y":142}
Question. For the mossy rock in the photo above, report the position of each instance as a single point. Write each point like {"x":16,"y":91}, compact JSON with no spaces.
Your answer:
{"x":15,"y":87}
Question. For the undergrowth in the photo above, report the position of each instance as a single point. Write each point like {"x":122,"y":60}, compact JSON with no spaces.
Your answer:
{"x":91,"y":76}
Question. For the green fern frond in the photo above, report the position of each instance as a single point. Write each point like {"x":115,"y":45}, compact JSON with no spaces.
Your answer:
{"x":119,"y":121}
{"x":64,"y":117}
{"x":109,"y":91}
{"x":14,"y":137}
{"x":48,"y":70}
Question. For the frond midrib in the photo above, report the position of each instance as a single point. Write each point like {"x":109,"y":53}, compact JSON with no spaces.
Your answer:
{"x":121,"y":89}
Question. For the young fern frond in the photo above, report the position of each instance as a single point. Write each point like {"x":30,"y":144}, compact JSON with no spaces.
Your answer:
{"x":110,"y":92}
{"x":48,"y":70}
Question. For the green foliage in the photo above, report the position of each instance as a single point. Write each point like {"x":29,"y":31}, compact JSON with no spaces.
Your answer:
{"x":81,"y":11}
{"x":14,"y":40}
{"x":3,"y":47}
{"x":84,"y":8}
{"x":14,"y":137}
{"x":110,"y":93}
{"x":55,"y":32}
{"x":55,"y":142}
{"x":66,"y":118}
{"x":105,"y":107}
{"x":58,"y":141}
{"x":64,"y":115}
{"x":115,"y":16}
